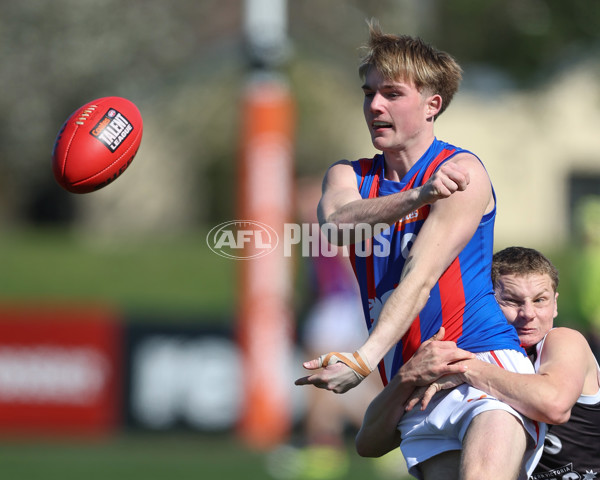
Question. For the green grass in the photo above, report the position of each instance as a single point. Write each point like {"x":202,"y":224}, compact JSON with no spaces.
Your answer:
{"x":149,"y":457}
{"x":131,"y":457}
{"x":178,"y":276}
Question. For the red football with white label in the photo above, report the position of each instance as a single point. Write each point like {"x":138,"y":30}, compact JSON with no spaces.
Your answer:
{"x":96,"y":144}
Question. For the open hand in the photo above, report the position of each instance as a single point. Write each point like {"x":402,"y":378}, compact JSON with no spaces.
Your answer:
{"x":336,"y":375}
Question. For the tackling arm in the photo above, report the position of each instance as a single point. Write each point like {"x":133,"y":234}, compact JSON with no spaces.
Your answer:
{"x":547,"y":396}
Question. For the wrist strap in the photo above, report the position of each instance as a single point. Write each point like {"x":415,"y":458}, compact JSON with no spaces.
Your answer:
{"x":360,"y":366}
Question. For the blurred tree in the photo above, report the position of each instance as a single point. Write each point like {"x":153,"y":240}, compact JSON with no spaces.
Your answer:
{"x":527,"y":39}
{"x":182,"y":63}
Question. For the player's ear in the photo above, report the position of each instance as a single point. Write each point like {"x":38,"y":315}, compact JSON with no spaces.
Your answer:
{"x":434,"y":105}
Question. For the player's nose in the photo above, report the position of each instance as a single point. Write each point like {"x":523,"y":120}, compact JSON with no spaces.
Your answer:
{"x":376,"y":102}
{"x":527,"y":310}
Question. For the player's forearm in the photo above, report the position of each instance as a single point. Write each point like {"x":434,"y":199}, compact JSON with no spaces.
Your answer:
{"x":534,"y":395}
{"x":396,"y":316}
{"x":379,"y":433}
{"x":374,"y":212}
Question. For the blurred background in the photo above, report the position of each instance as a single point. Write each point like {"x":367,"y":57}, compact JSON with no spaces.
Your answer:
{"x":119,"y":339}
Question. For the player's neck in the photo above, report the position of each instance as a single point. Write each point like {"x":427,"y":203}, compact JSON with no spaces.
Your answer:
{"x":399,"y":161}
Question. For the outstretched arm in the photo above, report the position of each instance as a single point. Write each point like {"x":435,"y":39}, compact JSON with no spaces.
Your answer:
{"x":449,"y":227}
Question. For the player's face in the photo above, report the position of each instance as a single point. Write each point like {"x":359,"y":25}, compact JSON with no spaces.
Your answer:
{"x":529,"y":304}
{"x":395,"y":112}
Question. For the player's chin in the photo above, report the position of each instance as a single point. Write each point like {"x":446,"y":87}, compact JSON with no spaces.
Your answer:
{"x":529,"y":336}
{"x":378,"y":143}
{"x":383,"y":142}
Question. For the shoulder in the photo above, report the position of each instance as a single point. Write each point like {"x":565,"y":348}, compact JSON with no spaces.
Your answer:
{"x":563,"y":340}
{"x":349,"y":164}
{"x":348,"y":168}
{"x":342,"y":175}
{"x":568,"y":349}
{"x":473,"y":165}
{"x":565,"y":335}
{"x":342,"y":169}
{"x":467,"y":159}
{"x":477,"y":199}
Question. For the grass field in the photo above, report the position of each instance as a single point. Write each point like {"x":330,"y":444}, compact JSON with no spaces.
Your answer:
{"x":178,"y":275}
{"x":149,"y":457}
{"x":131,"y":457}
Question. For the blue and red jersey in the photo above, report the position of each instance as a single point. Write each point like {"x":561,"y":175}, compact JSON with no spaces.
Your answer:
{"x":462,"y":301}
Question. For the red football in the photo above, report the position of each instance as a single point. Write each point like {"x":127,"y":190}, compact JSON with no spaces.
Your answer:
{"x":96,"y":144}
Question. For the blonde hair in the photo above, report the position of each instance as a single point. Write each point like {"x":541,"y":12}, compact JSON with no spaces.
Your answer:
{"x":411,"y":59}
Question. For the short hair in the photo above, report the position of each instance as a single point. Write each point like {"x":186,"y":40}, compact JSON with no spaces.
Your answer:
{"x":522,"y":261}
{"x":411,"y":59}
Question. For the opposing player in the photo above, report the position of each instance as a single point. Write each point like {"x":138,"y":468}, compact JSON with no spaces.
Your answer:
{"x":435,"y":267}
{"x":565,"y":392}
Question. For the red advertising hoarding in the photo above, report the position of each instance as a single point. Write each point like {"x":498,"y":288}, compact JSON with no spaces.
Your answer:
{"x":60,"y":370}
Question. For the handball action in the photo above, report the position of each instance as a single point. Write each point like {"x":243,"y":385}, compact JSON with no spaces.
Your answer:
{"x":96,"y":144}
